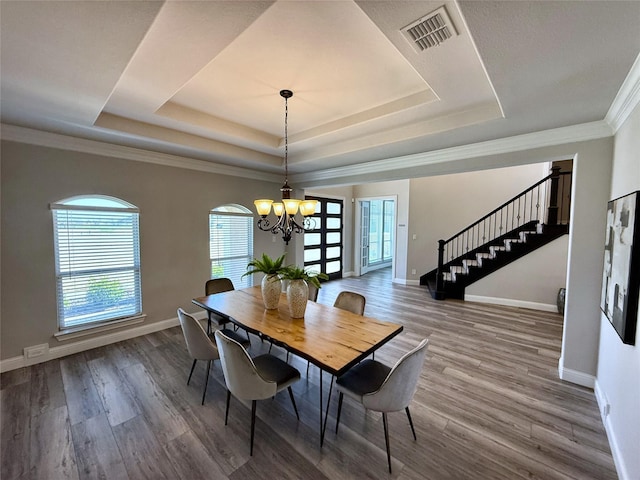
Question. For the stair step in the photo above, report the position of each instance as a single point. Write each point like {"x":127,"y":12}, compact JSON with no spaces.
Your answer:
{"x":470,"y":263}
{"x":510,"y":241}
{"x":523,"y":235}
{"x":482,"y":256}
{"x":495,"y":248}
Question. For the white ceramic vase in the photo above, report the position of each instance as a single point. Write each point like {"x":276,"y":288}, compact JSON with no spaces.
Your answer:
{"x":297,"y":296}
{"x":271,"y":287}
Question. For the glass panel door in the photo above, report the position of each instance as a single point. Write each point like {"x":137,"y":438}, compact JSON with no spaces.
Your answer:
{"x":323,"y":244}
{"x":376,"y":229}
{"x":364,"y":229}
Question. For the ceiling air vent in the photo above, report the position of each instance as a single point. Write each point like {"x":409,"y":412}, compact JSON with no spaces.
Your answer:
{"x":430,"y":30}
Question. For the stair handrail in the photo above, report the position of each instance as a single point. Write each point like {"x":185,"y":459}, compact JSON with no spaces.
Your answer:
{"x":552,"y":195}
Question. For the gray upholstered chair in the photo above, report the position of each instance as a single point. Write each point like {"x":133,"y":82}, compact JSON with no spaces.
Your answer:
{"x":219,"y":285}
{"x":199,"y":345}
{"x":313,"y":292}
{"x":351,"y":301}
{"x":383,"y":389}
{"x":253,"y":379}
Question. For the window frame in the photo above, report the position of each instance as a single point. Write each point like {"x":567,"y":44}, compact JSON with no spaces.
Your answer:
{"x":76,"y":266}
{"x":238,"y":211}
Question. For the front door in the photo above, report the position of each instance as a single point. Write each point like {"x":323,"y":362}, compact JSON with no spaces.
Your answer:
{"x":323,"y":245}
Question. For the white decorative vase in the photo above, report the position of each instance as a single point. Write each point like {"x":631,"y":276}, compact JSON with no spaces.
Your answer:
{"x":297,"y":296}
{"x":271,"y":287}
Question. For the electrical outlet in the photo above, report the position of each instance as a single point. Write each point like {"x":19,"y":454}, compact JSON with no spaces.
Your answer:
{"x":413,"y":271}
{"x":36,"y":350}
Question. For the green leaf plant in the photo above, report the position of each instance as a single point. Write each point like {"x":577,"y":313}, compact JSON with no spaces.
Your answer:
{"x":293,"y":272}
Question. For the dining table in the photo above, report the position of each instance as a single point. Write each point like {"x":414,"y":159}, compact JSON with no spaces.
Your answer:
{"x":331,"y":338}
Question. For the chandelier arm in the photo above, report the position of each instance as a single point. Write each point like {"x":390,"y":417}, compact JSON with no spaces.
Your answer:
{"x":309,"y":224}
{"x":295,"y":226}
{"x":264,"y":224}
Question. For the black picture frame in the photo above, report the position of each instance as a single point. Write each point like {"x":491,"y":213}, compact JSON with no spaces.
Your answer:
{"x":621,"y":271}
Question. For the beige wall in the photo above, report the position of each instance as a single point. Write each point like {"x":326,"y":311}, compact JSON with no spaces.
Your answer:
{"x":536,"y":277}
{"x":174,"y":206}
{"x":618,"y":377}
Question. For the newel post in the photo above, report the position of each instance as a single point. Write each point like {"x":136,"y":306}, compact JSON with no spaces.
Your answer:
{"x":440,"y":274}
{"x":552,"y":216}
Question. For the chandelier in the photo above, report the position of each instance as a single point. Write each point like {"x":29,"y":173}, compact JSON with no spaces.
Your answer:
{"x":286,"y":211}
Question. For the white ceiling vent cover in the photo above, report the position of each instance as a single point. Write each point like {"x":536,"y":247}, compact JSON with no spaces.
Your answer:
{"x":430,"y":30}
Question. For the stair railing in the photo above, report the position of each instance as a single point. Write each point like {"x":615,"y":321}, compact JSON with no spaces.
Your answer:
{"x":552,"y":195}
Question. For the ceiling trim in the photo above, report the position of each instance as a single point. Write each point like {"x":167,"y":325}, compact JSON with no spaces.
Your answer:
{"x":627,"y":99}
{"x":545,"y":138}
{"x":64,"y":142}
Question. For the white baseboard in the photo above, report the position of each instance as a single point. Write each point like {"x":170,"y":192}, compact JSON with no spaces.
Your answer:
{"x":99,"y":341}
{"x":509,"y":302}
{"x":604,"y":406}
{"x":574,"y":376}
{"x":348,"y":274}
{"x":404,"y":281}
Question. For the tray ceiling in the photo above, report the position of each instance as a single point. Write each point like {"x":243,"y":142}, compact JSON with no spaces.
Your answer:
{"x":201,"y":79}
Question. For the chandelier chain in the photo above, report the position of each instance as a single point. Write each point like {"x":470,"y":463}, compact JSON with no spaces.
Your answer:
{"x":286,"y":140}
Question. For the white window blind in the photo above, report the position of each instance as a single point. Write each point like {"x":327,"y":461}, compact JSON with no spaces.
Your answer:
{"x":97,"y":260}
{"x":231,"y":243}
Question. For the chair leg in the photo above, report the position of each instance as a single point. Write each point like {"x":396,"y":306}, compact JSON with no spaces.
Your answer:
{"x":253,"y":424}
{"x":413,"y":430}
{"x":206,"y":381}
{"x":386,"y":438}
{"x":191,"y":373}
{"x":308,"y":363}
{"x":293,"y":402}
{"x":226,"y":411}
{"x":339,"y":410}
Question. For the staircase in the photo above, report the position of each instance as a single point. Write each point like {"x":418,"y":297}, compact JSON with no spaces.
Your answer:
{"x":521,"y":225}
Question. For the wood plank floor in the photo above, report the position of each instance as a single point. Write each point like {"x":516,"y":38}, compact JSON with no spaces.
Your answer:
{"x":489,"y":406}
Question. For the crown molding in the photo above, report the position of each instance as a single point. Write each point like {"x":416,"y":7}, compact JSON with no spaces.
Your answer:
{"x":545,"y":138}
{"x":64,"y":142}
{"x":627,"y":99}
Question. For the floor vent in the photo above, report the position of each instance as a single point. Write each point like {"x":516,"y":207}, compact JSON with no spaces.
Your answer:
{"x":430,"y":30}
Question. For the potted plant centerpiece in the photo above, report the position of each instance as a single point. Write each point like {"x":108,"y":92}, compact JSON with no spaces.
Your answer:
{"x":271,"y":284}
{"x":298,"y":289}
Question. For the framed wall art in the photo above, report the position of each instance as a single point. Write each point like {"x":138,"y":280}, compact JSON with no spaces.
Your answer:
{"x":621,"y":272}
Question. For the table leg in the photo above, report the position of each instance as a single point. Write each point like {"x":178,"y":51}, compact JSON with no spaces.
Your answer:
{"x":326,"y":414}
{"x":323,"y":422}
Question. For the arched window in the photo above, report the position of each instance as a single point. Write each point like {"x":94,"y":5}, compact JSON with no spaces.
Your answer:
{"x":231,"y":243}
{"x":97,"y":251}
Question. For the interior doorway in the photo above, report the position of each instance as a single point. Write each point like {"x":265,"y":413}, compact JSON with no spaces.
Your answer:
{"x":376,"y":220}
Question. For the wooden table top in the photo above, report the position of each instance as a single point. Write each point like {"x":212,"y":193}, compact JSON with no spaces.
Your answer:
{"x":331,"y":338}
